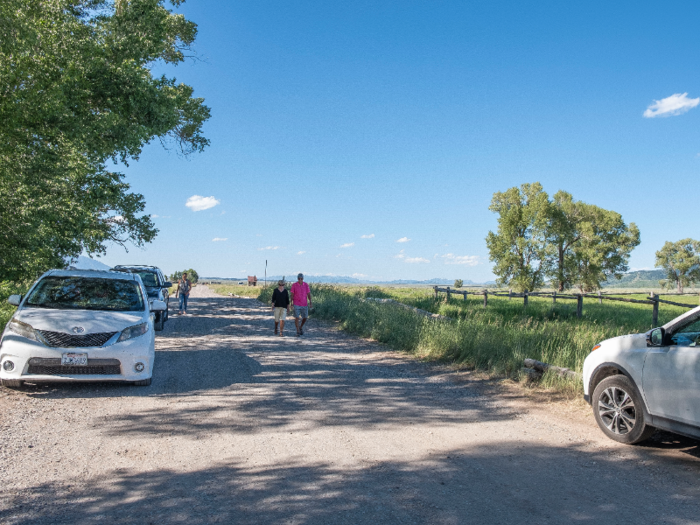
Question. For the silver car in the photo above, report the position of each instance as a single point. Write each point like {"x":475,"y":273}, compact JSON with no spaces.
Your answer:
{"x":78,"y":325}
{"x":640,"y":382}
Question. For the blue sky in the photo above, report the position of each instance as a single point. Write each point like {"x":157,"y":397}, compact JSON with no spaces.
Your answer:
{"x":399,"y":120}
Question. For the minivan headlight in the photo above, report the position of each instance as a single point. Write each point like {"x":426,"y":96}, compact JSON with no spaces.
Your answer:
{"x":23,"y":329}
{"x":133,"y":331}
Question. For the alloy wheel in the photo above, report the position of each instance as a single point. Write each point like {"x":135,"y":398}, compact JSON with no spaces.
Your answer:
{"x":616,"y":410}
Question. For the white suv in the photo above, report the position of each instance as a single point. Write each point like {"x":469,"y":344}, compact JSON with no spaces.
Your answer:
{"x":637,"y":383}
{"x":80,"y":325}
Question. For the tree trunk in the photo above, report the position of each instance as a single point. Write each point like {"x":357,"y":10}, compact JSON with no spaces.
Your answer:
{"x":560,"y":272}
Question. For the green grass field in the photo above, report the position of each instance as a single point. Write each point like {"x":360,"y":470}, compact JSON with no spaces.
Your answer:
{"x":236,"y":289}
{"x":494,"y":339}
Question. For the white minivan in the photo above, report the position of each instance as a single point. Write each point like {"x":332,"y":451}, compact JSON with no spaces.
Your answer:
{"x":80,"y":325}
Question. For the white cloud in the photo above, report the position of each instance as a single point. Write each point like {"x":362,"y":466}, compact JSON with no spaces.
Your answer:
{"x":403,"y":239}
{"x":469,"y":260}
{"x":219,"y":239}
{"x":670,"y":106}
{"x":416,"y":260}
{"x":154,"y":216}
{"x":358,"y":275}
{"x":199,"y":203}
{"x":400,"y":255}
{"x":370,"y":236}
{"x":301,"y":252}
{"x":269,"y":248}
{"x":347,"y":245}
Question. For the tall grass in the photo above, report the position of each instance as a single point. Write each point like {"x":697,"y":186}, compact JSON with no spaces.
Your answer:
{"x":7,"y":289}
{"x":239,"y":289}
{"x":495,"y":339}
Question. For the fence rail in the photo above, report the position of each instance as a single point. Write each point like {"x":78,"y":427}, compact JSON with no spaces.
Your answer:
{"x":653,"y":300}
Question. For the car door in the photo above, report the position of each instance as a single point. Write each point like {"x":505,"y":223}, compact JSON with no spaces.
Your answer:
{"x":671,"y":377}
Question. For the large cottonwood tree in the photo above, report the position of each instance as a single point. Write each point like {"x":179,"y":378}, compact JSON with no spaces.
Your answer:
{"x":521,"y":248}
{"x":566,"y":242}
{"x":76,"y":91}
{"x":681,"y":261}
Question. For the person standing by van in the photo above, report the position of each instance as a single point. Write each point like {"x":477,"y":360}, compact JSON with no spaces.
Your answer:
{"x":280,"y":306}
{"x":183,"y":292}
{"x":301,"y":300}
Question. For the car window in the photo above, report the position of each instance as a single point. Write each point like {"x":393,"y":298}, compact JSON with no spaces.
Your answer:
{"x":148,"y":278}
{"x":83,"y":293}
{"x":689,"y":335}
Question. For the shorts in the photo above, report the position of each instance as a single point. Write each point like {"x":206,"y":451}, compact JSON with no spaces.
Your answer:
{"x":301,"y":311}
{"x":280,"y":314}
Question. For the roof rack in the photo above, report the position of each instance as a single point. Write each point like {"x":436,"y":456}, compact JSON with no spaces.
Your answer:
{"x":134,"y":266}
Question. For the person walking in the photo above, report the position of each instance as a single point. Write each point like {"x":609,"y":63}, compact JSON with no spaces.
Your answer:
{"x":183,"y":292}
{"x":301,"y":300}
{"x":280,"y":306}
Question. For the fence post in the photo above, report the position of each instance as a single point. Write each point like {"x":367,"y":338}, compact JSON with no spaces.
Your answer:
{"x":510,"y":294}
{"x":554,"y":297}
{"x":486,"y":297}
{"x":579,"y":306}
{"x":436,"y":294}
{"x":525,"y":299}
{"x":600,"y":297}
{"x":448,"y":294}
{"x":465,"y":296}
{"x":654,"y":310}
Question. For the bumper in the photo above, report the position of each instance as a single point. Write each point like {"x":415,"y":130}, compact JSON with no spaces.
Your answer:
{"x":128,"y":353}
{"x":587,"y":398}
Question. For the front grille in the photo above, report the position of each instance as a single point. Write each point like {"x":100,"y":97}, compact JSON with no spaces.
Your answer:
{"x":63,"y":340}
{"x":53,"y":367}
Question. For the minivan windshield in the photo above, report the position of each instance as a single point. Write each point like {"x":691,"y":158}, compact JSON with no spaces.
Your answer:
{"x":85,"y":293}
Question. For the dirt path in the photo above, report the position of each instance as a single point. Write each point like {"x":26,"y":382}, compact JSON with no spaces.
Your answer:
{"x":240,"y":426}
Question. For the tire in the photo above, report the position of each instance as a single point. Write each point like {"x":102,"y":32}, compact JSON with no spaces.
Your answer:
{"x":167,"y":305}
{"x":143,"y":382}
{"x":619,"y":410}
{"x":160,"y":323}
{"x":12,"y":383}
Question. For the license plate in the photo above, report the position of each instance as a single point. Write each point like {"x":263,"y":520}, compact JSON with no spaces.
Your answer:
{"x":73,"y":359}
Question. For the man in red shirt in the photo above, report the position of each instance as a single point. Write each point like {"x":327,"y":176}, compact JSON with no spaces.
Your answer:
{"x":301,"y":300}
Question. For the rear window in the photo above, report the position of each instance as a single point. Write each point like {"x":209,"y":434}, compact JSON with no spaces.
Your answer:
{"x":82,"y":293}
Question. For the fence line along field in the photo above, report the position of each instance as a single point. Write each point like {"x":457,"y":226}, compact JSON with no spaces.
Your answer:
{"x":653,"y":299}
{"x":496,"y":339}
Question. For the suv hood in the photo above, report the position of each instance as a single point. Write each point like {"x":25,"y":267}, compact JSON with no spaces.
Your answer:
{"x":93,"y":321}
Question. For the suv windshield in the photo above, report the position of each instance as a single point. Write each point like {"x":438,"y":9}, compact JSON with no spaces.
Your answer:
{"x":83,"y":293}
{"x":149,"y":279}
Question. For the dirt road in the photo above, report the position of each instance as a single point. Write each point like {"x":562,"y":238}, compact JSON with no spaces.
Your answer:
{"x":241,"y":426}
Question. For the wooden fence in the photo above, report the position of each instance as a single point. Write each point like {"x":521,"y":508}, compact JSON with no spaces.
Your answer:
{"x":653,"y":300}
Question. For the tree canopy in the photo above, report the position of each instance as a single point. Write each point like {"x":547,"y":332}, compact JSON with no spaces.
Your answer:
{"x":566,"y":242}
{"x":76,"y":92}
{"x":192,"y":275}
{"x":681,"y":262}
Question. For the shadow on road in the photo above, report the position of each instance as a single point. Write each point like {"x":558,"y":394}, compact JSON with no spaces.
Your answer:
{"x":482,"y":486}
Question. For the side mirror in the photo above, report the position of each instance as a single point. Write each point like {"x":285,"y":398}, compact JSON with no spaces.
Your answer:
{"x":655,"y":337}
{"x":167,"y":284}
{"x":14,"y":300}
{"x":158,"y":306}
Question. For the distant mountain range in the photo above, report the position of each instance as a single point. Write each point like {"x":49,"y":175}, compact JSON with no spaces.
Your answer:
{"x":86,"y":263}
{"x":638,"y":279}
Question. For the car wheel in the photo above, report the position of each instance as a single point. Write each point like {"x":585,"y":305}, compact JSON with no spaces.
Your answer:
{"x":167,"y":305}
{"x":619,"y":410}
{"x":12,"y":383}
{"x":143,"y":382}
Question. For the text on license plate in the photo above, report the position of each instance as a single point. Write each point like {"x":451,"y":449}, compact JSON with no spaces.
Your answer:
{"x":73,"y":359}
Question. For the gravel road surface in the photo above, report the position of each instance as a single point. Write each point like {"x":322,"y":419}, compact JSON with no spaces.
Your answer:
{"x":240,"y":426}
